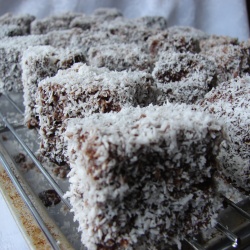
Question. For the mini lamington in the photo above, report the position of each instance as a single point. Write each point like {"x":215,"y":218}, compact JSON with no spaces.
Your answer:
{"x":117,"y":31}
{"x":81,"y":91}
{"x":183,"y":77}
{"x":120,"y":57}
{"x":143,"y":176}
{"x":84,"y":22}
{"x":10,"y":31}
{"x":37,"y":63}
{"x":89,"y":39}
{"x":230,"y":102}
{"x":91,"y":22}
{"x":63,"y":38}
{"x":11,"y":51}
{"x":106,"y":14}
{"x":128,"y":30}
{"x":52,"y":23}
{"x":153,"y":22}
{"x":231,"y":60}
{"x":181,"y":39}
{"x":12,"y":48}
{"x":23,"y":22}
{"x":213,"y":41}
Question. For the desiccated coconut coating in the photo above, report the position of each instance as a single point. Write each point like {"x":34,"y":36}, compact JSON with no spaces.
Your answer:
{"x":182,"y":39}
{"x":186,"y":31}
{"x":213,"y":40}
{"x":23,"y":22}
{"x":10,"y":30}
{"x":90,"y":39}
{"x":106,"y":14}
{"x":71,"y":20}
{"x":143,"y":175}
{"x":92,"y":22}
{"x":53,"y":23}
{"x":63,"y":38}
{"x":81,"y":91}
{"x":120,"y":57}
{"x":231,"y":61}
{"x":183,"y":77}
{"x":153,"y":22}
{"x":118,"y":31}
{"x":230,"y":102}
{"x":127,"y":30}
{"x":11,"y":50}
{"x":84,"y":22}
{"x":39,"y":62}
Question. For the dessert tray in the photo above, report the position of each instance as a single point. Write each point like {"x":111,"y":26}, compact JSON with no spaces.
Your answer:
{"x":34,"y":191}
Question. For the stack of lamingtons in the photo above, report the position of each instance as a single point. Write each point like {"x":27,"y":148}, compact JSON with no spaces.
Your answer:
{"x":152,"y":120}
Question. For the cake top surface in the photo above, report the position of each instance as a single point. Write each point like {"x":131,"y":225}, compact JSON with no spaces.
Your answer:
{"x":149,"y":124}
{"x":82,"y":74}
{"x":40,"y":52}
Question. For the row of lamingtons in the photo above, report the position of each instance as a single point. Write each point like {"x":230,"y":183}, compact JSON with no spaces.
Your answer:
{"x":153,"y":121}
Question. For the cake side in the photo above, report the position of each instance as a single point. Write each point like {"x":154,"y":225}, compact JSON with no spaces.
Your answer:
{"x":230,"y":102}
{"x":11,"y":50}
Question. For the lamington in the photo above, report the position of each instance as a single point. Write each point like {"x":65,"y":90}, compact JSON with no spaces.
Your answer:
{"x":91,"y":22}
{"x":143,"y":176}
{"x":39,"y":62}
{"x":153,"y":22}
{"x":81,"y":91}
{"x":230,"y":102}
{"x":183,"y":77}
{"x":63,"y":38}
{"x":214,"y":40}
{"x":11,"y":50}
{"x":10,"y":31}
{"x":106,"y":14}
{"x":120,"y":30}
{"x":180,"y":39}
{"x":53,"y":23}
{"x":231,"y":60}
{"x":84,"y":22}
{"x":89,"y":39}
{"x":120,"y":57}
{"x":22,"y":22}
{"x":128,"y":30}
